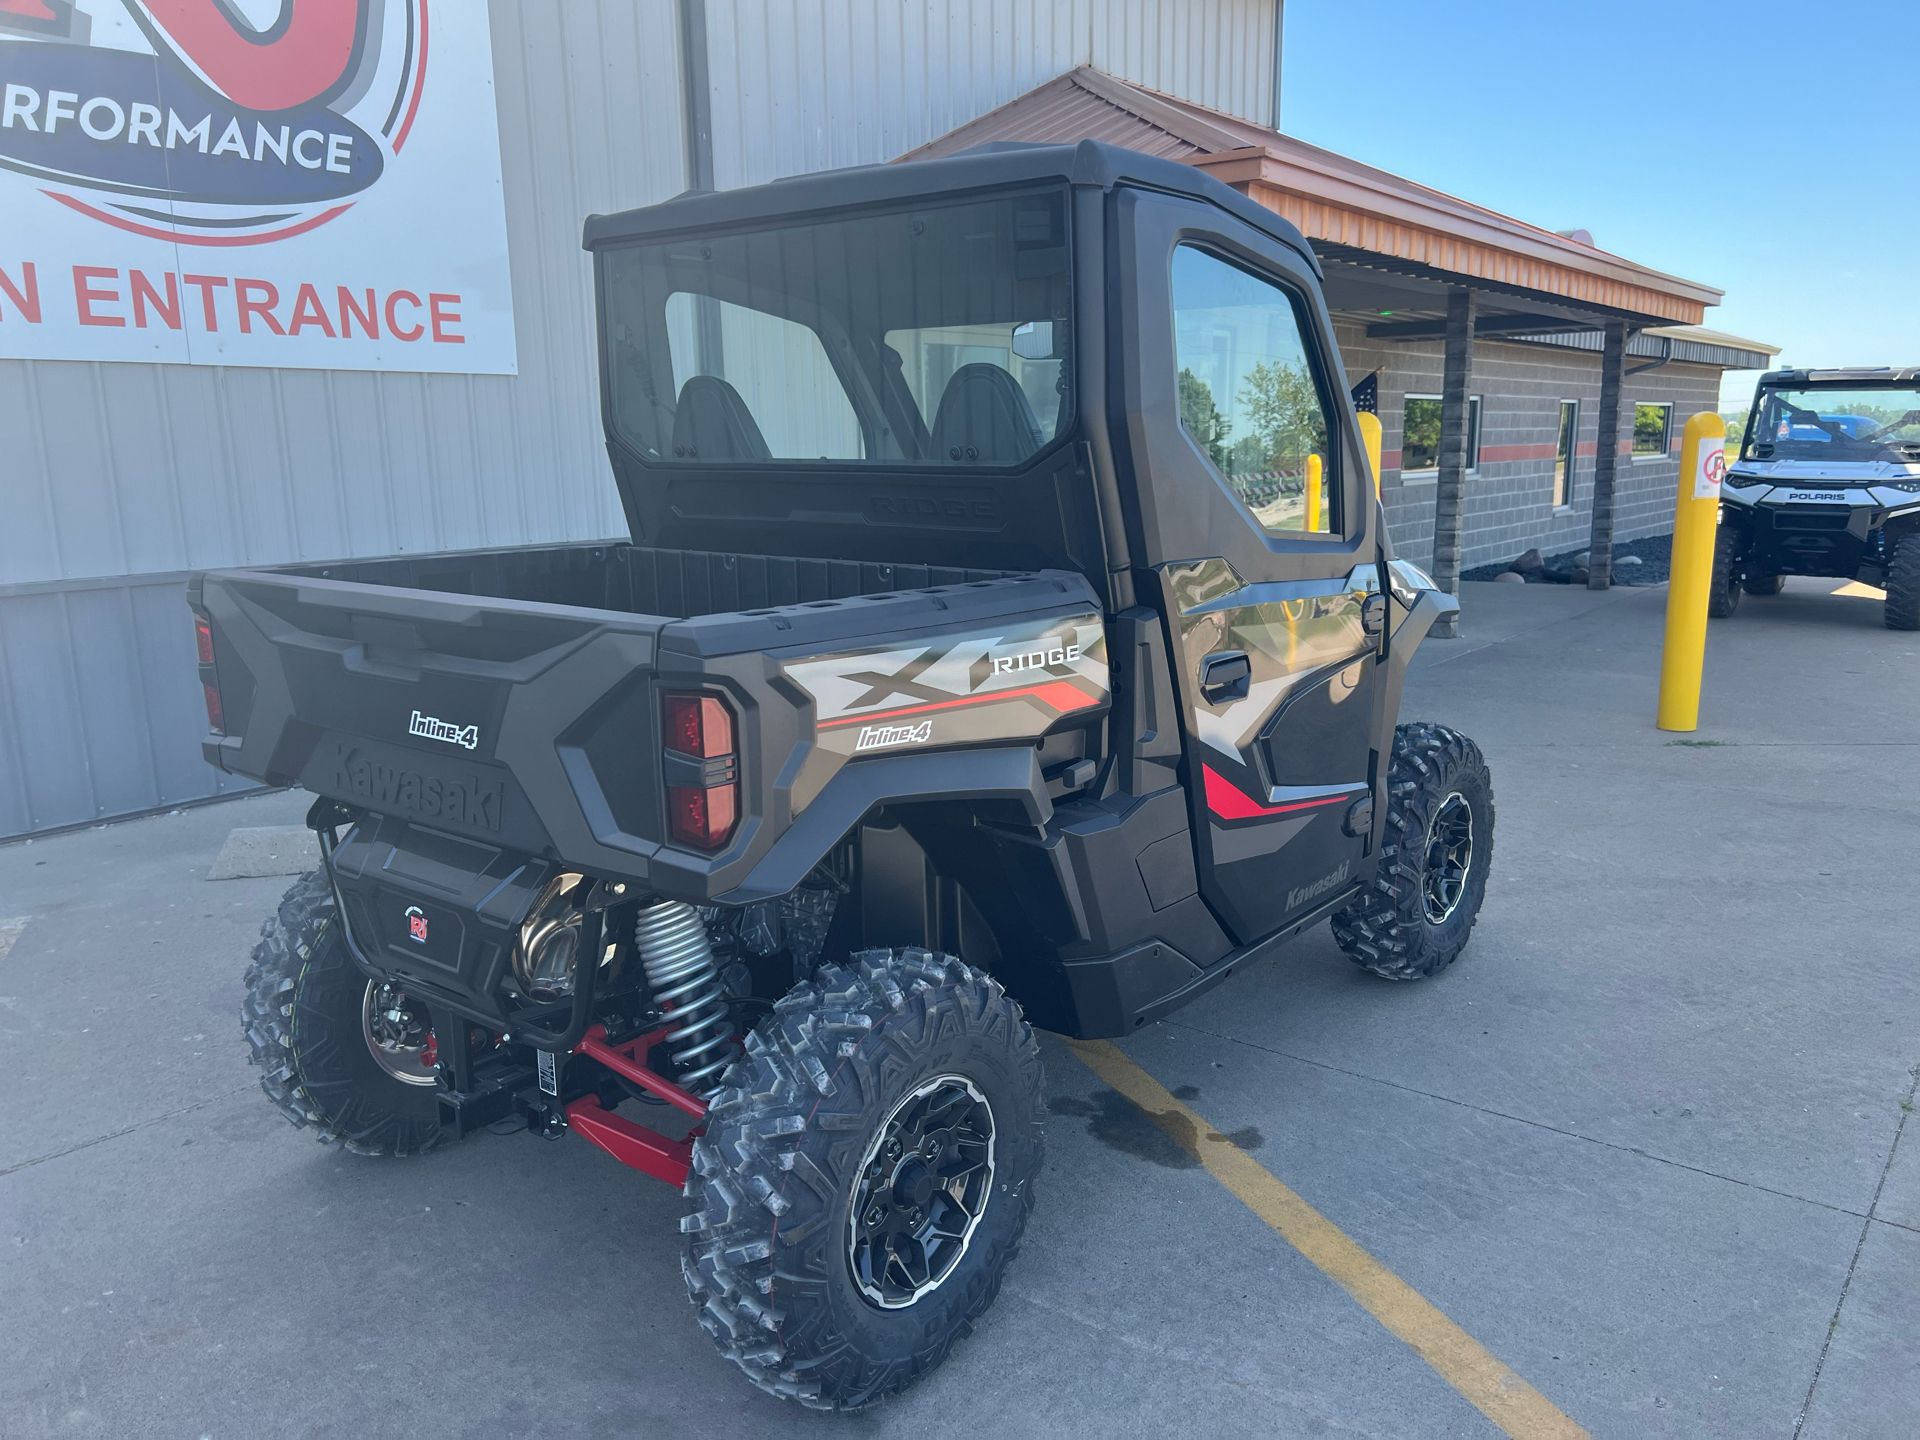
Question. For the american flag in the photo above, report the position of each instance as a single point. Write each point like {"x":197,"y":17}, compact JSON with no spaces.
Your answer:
{"x":1366,"y":395}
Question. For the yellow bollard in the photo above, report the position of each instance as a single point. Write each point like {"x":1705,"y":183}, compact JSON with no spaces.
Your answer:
{"x":1316,"y":469}
{"x":1370,"y":437}
{"x":1703,"y":464}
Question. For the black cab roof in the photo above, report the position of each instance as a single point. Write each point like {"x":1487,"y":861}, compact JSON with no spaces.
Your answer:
{"x":1088,"y":163}
{"x":1853,"y":375}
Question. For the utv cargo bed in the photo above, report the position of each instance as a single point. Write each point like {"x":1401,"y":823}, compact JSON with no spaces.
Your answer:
{"x":514,"y":697}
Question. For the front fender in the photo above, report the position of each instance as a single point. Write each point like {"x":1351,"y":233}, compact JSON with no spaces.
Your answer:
{"x":1418,"y":618}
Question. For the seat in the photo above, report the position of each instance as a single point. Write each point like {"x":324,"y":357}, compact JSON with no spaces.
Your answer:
{"x":712,"y":422}
{"x":984,"y":419}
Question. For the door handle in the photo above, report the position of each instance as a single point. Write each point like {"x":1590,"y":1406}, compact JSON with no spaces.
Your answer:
{"x":1225,"y":675}
{"x":1373,"y":615}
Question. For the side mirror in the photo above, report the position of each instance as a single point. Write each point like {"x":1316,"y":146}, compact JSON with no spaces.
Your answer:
{"x":1034,"y":340}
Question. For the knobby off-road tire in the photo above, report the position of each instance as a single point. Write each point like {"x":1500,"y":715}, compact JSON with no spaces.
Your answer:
{"x":1764,"y":584}
{"x":788,"y":1139}
{"x":303,"y":1021}
{"x":1723,"y":598}
{"x":1903,"y":584}
{"x":1389,"y":927}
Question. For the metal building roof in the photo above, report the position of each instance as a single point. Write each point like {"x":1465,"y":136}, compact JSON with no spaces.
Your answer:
{"x":1685,"y":344}
{"x":1355,"y":214}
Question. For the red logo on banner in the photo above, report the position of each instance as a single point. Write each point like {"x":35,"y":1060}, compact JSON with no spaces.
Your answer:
{"x":220,"y":134}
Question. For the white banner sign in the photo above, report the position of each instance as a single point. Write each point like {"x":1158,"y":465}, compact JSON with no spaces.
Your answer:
{"x":311,"y":183}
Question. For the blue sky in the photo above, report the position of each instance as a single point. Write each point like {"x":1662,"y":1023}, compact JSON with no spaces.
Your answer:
{"x":1767,"y":149}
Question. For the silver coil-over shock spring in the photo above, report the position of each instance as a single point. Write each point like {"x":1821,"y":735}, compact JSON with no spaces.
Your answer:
{"x":678,"y":959}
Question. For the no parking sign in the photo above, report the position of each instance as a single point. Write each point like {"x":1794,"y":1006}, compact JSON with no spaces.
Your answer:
{"x":1710,"y":470}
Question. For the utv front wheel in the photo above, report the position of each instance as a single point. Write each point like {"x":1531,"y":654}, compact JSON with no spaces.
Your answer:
{"x":1903,"y":583}
{"x":1414,"y":917}
{"x":865,"y":1176}
{"x":1724,"y":598}
{"x":1764,"y":584}
{"x":338,"y":1052}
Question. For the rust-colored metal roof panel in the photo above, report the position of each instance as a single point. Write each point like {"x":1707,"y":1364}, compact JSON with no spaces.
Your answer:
{"x":1333,"y":198}
{"x":1065,"y":109}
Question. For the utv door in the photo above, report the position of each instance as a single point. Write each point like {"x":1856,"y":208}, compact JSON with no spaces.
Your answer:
{"x":1262,"y":535}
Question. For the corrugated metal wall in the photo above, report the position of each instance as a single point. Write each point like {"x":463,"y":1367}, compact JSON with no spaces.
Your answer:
{"x":116,"y":479}
{"x":109,"y":471}
{"x":801,"y":85}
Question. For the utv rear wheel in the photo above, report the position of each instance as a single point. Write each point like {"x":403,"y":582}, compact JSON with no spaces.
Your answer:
{"x":1414,"y":917}
{"x":1903,"y":583}
{"x":345,"y":1055}
{"x":1724,"y":598}
{"x":1764,"y":584}
{"x":865,"y":1177}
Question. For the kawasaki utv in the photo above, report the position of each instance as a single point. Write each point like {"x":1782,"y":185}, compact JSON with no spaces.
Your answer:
{"x":1007,"y":636}
{"x":1827,"y":483}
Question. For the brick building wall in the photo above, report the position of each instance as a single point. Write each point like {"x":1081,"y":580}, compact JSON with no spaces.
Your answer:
{"x":1509,"y":504}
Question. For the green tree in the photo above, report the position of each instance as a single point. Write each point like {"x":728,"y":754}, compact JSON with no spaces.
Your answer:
{"x":1248,"y":456}
{"x":1283,"y":410}
{"x":1202,"y":417}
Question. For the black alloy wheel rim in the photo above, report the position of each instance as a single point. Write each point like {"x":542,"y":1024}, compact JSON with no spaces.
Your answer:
{"x":1449,"y":859}
{"x":921,"y":1191}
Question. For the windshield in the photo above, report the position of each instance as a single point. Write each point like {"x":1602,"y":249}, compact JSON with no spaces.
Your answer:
{"x":1815,"y":422}
{"x":931,"y":335}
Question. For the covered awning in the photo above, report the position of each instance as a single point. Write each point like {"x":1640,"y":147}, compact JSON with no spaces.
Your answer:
{"x":1392,"y":248}
{"x":1405,"y":260}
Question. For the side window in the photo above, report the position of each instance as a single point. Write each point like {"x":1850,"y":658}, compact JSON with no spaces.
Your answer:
{"x":1247,"y":392}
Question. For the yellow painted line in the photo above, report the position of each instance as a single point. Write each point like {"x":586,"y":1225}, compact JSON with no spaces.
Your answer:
{"x":1858,"y":590}
{"x":1460,"y":1360}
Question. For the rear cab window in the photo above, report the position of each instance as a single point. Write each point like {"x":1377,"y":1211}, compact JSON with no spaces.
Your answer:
{"x":937,"y":334}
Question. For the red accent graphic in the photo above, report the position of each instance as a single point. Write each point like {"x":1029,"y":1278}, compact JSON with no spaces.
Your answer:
{"x":419,"y":83}
{"x":1062,"y":695}
{"x":306,"y":57}
{"x":36,"y":10}
{"x":1229,"y":802}
{"x":310,"y":223}
{"x":416,"y":926}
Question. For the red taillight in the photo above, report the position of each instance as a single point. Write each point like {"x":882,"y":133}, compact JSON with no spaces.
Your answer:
{"x":698,"y":725}
{"x":703,"y":785}
{"x":209,"y":677}
{"x":702,"y":816}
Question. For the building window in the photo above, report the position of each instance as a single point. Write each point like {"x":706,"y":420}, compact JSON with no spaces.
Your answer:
{"x":1420,"y":434}
{"x":1564,"y":452}
{"x":1249,"y":397}
{"x":1651,"y":424}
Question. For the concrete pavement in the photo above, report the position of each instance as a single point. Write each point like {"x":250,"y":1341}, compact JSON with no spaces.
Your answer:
{"x":1643,"y":1142}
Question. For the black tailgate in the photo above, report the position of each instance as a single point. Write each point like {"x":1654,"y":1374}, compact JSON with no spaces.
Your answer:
{"x":511,"y":721}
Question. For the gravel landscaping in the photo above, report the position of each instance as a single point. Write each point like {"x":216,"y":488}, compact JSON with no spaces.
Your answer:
{"x":1635,"y":562}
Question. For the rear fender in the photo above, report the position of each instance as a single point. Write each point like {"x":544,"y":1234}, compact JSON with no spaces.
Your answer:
{"x":1003,"y":776}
